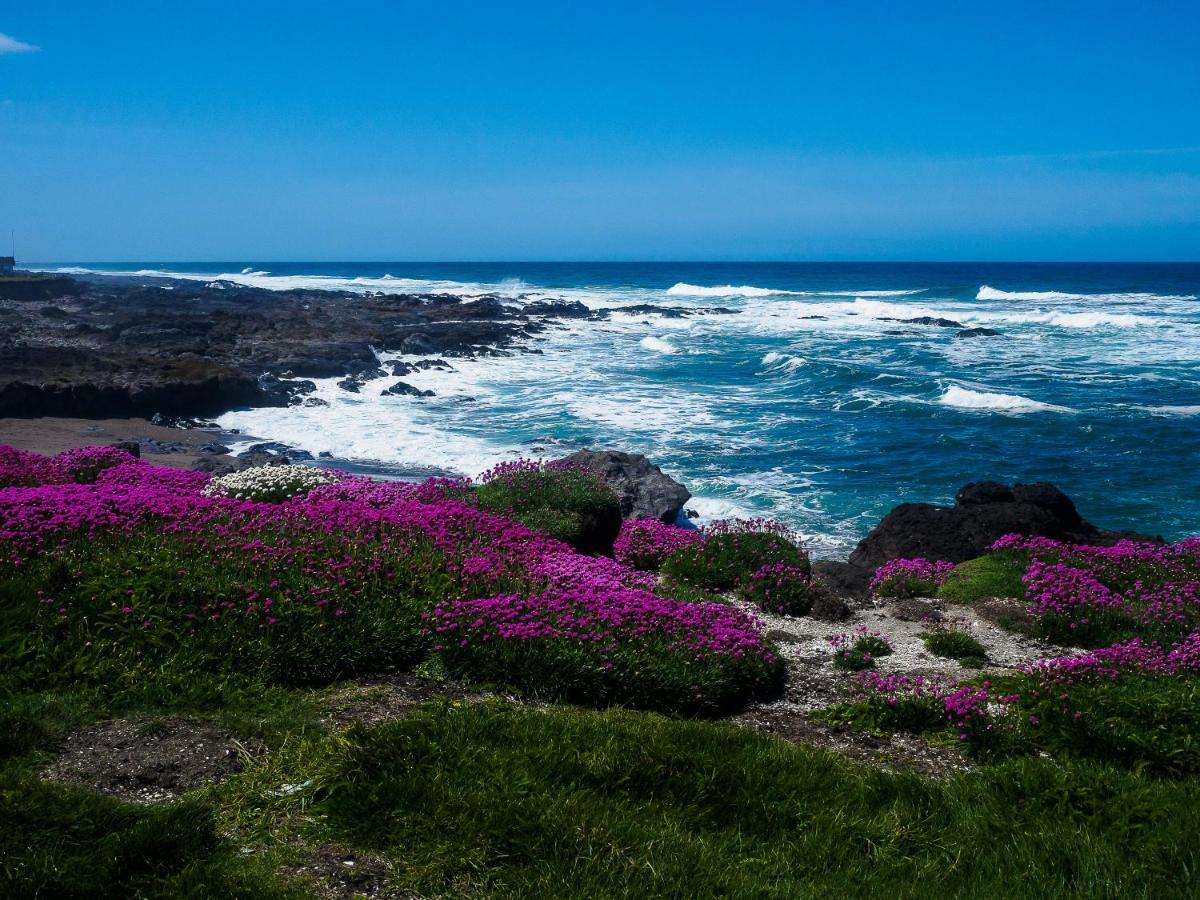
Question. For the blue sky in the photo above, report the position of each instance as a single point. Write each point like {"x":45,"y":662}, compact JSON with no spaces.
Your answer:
{"x":847,"y":130}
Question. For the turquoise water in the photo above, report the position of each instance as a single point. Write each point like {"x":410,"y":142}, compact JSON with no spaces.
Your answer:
{"x":807,"y":403}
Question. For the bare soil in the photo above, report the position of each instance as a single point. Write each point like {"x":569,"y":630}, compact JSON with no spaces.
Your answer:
{"x":149,"y":761}
{"x":49,"y":435}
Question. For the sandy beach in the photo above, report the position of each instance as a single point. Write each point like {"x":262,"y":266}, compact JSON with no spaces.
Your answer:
{"x":51,"y":434}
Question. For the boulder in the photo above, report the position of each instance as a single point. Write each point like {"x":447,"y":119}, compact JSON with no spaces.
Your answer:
{"x":977,"y":332}
{"x":983,"y":512}
{"x":403,"y":388}
{"x":641,"y":487}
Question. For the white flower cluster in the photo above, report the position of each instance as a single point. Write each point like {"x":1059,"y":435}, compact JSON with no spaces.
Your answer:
{"x":269,"y":484}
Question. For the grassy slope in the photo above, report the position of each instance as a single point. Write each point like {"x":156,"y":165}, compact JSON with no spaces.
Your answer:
{"x":496,"y":800}
{"x":995,"y":575}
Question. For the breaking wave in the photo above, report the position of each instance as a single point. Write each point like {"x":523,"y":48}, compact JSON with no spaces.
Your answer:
{"x":987,"y":401}
{"x":990,"y":293}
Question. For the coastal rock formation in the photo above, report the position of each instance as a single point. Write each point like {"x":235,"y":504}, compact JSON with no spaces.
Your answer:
{"x":98,"y":346}
{"x":983,"y":512}
{"x":403,"y":388}
{"x":641,"y":487}
{"x":977,"y":332}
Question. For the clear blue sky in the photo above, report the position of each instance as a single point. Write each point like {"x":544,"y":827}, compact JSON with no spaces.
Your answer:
{"x":822,"y":130}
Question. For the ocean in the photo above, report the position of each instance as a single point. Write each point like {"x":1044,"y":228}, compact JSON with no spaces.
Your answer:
{"x":813,"y":401}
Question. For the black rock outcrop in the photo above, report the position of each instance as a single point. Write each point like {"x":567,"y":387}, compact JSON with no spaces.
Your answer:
{"x":983,"y":512}
{"x":641,"y":487}
{"x":99,"y":346}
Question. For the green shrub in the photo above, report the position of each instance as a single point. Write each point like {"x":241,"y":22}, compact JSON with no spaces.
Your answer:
{"x":645,"y":674}
{"x":779,"y":589}
{"x":952,"y":643}
{"x":995,"y":575}
{"x":859,"y":651}
{"x":570,"y":504}
{"x":723,"y":561}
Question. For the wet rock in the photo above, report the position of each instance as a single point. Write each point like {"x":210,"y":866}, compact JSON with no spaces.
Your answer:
{"x":404,"y":389}
{"x":275,"y":449}
{"x":983,"y":513}
{"x":977,"y":332}
{"x":561,"y":309}
{"x":927,"y":320}
{"x":641,"y":487}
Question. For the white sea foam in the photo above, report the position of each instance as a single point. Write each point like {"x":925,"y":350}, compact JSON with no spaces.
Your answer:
{"x":964,"y":398}
{"x":783,"y":362}
{"x":990,"y":293}
{"x":683,"y":289}
{"x":658,"y":345}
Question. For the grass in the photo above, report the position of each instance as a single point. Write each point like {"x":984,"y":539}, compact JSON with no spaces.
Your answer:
{"x":66,"y":842}
{"x":492,"y":799}
{"x":950,"y":643}
{"x":502,"y":802}
{"x":994,"y":575}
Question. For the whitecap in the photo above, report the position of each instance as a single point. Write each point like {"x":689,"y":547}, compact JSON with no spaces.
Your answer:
{"x":783,"y":362}
{"x":987,"y":292}
{"x":683,"y":289}
{"x":658,"y":345}
{"x":988,"y":401}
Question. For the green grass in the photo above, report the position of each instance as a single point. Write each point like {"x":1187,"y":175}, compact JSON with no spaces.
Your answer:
{"x":59,"y":841}
{"x":493,"y":801}
{"x":862,"y":653}
{"x":995,"y":575}
{"x":950,"y":643}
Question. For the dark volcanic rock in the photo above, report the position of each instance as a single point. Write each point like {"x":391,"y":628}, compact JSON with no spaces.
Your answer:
{"x":977,"y":332}
{"x":983,"y":512}
{"x":400,"y":368}
{"x":927,"y":320}
{"x":275,"y":448}
{"x":984,"y":492}
{"x":103,"y":346}
{"x":279,"y":392}
{"x":561,"y":309}
{"x":65,"y":381}
{"x":643,"y":490}
{"x":403,"y":388}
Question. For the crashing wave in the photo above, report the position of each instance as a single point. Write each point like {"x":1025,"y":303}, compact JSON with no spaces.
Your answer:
{"x":987,"y":292}
{"x":987,"y":401}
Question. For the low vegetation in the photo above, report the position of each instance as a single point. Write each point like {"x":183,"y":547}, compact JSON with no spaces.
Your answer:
{"x":995,"y":575}
{"x":732,"y":552}
{"x":129,"y":592}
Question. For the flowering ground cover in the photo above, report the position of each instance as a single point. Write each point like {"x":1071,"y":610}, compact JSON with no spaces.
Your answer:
{"x":144,"y":594}
{"x":1131,"y":696}
{"x":160,"y":570}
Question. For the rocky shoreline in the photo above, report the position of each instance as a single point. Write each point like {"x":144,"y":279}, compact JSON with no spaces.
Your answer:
{"x":132,"y":361}
{"x":104,"y":346}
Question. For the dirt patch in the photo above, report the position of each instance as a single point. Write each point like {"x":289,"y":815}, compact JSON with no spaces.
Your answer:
{"x":339,"y":873}
{"x":149,"y":761}
{"x":1012,"y":615}
{"x":374,"y":701}
{"x":53,"y":434}
{"x":895,"y":752}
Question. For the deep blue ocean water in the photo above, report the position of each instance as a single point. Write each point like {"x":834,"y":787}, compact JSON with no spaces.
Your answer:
{"x":810,"y":402}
